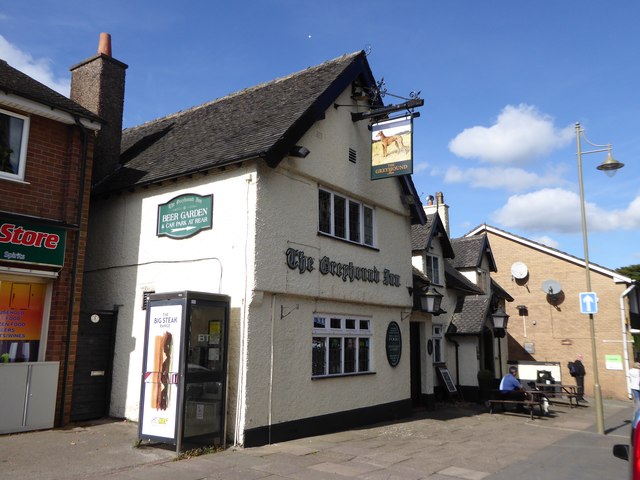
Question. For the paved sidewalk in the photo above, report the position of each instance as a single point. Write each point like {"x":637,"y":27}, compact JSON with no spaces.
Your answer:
{"x":453,"y":442}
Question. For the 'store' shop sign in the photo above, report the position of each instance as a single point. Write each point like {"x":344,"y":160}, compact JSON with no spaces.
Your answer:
{"x":30,"y":243}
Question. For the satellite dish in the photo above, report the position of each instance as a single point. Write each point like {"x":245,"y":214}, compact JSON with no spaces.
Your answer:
{"x":519,"y":270}
{"x":551,"y":287}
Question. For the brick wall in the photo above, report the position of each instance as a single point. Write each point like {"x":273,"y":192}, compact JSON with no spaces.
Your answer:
{"x":560,"y":332}
{"x":52,"y":191}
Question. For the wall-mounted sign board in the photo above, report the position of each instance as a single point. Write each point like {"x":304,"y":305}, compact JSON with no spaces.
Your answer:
{"x":185,"y":216}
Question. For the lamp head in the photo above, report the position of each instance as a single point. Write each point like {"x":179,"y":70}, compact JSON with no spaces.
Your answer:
{"x":610,"y":166}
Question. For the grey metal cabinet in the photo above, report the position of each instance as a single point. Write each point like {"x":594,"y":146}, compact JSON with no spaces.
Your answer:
{"x":28,"y":395}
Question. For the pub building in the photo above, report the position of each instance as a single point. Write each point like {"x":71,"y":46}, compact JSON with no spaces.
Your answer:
{"x":264,"y":202}
{"x":46,"y":151}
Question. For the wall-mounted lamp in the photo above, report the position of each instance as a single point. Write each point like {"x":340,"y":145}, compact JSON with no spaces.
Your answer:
{"x":299,"y":151}
{"x":500,"y":319}
{"x":431,"y":300}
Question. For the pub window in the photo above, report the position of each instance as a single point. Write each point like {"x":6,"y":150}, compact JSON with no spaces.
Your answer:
{"x":345,"y":218}
{"x":340,"y":346}
{"x":433,"y":269}
{"x":437,"y":344}
{"x":14,"y":133}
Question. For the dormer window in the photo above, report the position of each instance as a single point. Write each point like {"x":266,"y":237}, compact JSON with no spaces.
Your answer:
{"x":14,"y":132}
{"x":432,"y":269}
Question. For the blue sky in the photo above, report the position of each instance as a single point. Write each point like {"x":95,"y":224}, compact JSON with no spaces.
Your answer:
{"x":503,"y":81}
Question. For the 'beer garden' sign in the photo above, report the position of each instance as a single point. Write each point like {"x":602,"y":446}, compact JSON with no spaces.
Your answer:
{"x":184,"y":216}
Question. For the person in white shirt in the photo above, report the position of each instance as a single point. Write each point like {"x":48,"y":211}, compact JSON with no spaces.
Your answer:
{"x":634,"y":382}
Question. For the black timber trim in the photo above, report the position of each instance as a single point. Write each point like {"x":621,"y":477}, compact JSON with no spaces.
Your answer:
{"x":324,"y":424}
{"x":358,"y":67}
{"x":418,"y":215}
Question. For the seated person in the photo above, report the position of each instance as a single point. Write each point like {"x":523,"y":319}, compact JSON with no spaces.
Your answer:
{"x":510,"y":386}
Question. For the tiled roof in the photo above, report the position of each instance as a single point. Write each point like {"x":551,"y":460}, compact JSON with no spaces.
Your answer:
{"x":470,"y":314}
{"x":264,"y":121}
{"x":470,"y":250}
{"x":455,"y":280}
{"x":15,"y":82}
{"x":422,"y":235}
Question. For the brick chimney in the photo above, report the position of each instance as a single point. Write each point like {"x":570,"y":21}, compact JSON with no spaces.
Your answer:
{"x":440,"y":207}
{"x":98,"y":85}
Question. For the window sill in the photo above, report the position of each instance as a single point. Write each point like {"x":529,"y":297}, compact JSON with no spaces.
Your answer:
{"x":342,"y":375}
{"x":14,"y":180}
{"x":350,"y":242}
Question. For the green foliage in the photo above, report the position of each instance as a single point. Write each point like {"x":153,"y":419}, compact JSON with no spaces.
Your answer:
{"x":631,"y":271}
{"x":196,"y":452}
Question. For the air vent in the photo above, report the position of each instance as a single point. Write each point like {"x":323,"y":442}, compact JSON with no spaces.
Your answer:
{"x":352,"y":155}
{"x":145,"y":298}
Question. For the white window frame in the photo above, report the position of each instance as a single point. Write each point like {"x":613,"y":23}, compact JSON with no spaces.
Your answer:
{"x":363,"y":235}
{"x":24,"y":141}
{"x":342,"y":329}
{"x":433,"y":269}
{"x":436,"y":337}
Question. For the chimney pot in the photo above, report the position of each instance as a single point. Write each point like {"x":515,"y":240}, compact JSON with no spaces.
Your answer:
{"x":104,"y":47}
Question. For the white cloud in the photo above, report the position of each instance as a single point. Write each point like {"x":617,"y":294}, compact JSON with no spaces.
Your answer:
{"x":558,"y":210}
{"x":511,"y":179}
{"x":546,"y":240}
{"x":521,"y":133}
{"x":419,"y":167}
{"x":38,"y":69}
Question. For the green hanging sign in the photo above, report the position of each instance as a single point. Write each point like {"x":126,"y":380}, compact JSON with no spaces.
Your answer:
{"x":185,"y":216}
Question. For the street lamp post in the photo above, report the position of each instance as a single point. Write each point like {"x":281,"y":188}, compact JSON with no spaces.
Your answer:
{"x":609,"y":166}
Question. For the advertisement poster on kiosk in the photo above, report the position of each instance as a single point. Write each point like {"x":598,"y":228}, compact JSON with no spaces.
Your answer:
{"x":161,"y":372}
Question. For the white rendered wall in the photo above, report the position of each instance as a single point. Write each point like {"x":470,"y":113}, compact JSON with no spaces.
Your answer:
{"x":282,"y":389}
{"x":258,"y":213}
{"x":125,"y":258}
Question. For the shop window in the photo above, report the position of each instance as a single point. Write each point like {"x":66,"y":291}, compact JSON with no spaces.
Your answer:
{"x":14,"y":133}
{"x":433,"y":269}
{"x":340,"y":346}
{"x":438,"y":357}
{"x":345,"y":218}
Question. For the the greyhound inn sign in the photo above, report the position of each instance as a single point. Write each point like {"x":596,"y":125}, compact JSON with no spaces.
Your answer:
{"x":297,"y":260}
{"x":184,"y":216}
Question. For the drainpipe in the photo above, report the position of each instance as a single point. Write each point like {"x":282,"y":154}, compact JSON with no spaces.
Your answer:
{"x":625,"y":348}
{"x":74,"y":271}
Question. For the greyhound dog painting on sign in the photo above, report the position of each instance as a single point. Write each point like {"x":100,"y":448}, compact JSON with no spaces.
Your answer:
{"x":392,"y":148}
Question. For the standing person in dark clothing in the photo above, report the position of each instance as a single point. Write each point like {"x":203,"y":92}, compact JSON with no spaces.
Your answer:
{"x":579,"y":373}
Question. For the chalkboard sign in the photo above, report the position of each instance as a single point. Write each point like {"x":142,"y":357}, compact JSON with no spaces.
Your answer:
{"x":394,"y":344}
{"x":446,"y":378}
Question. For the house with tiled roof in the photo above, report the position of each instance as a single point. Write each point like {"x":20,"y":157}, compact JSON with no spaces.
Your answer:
{"x":46,"y":155}
{"x":459,"y":334}
{"x":264,"y":199}
{"x":546,"y":328}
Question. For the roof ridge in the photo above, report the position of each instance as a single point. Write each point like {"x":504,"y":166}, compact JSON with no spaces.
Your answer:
{"x":237,"y":93}
{"x":486,"y":226}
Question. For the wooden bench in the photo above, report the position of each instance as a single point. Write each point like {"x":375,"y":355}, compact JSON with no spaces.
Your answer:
{"x":554,"y":391}
{"x":530,"y":403}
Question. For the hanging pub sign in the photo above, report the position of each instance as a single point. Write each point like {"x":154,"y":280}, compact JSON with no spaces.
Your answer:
{"x":392,"y":148}
{"x":185,"y":216}
{"x":31,"y":243}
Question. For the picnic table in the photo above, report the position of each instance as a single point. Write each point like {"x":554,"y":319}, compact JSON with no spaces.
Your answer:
{"x":532,"y":398}
{"x":558,"y":390}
